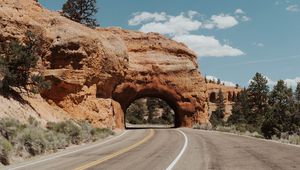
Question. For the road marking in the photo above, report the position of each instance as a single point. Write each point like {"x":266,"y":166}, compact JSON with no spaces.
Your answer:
{"x":171,"y":166}
{"x":68,"y":153}
{"x":115,"y":154}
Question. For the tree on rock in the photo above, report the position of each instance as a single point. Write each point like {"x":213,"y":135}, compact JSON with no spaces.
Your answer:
{"x":16,"y":62}
{"x":81,"y":11}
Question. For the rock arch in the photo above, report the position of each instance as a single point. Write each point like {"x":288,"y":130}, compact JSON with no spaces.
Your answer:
{"x":127,"y":93}
{"x":213,"y":97}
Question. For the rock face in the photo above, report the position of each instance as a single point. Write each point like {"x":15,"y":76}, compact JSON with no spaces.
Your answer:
{"x":97,"y":73}
{"x":231,"y":94}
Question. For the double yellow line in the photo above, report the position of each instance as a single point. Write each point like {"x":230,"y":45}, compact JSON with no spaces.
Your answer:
{"x":108,"y":157}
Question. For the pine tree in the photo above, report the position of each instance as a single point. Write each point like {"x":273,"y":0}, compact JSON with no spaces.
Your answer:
{"x":16,"y":61}
{"x":81,"y":11}
{"x":258,"y":100}
{"x":135,"y":112}
{"x":279,"y":119}
{"x":297,"y":93}
{"x":218,"y":115}
{"x":240,"y":109}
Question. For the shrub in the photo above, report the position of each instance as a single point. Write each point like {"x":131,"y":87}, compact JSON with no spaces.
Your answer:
{"x":5,"y":151}
{"x":56,"y":140}
{"x":99,"y":133}
{"x":205,"y":126}
{"x":33,"y":140}
{"x":86,"y":129}
{"x":196,"y":126}
{"x":294,"y":139}
{"x":10,"y":128}
{"x":69,"y":128}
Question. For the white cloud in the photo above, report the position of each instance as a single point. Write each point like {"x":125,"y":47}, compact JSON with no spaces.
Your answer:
{"x":213,"y":78}
{"x":208,"y":46}
{"x":180,"y":28}
{"x":293,"y":8}
{"x":292,"y":82}
{"x":191,"y":14}
{"x":241,"y":15}
{"x":277,"y":3}
{"x":258,"y":44}
{"x":142,"y":17}
{"x":223,"y":21}
{"x":245,"y":18}
{"x":175,"y":25}
{"x":239,"y":11}
{"x":270,"y":82}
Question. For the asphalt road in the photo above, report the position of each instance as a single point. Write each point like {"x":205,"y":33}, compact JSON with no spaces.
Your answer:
{"x":178,"y":149}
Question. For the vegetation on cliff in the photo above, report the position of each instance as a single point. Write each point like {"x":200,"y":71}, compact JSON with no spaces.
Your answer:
{"x":17,"y":60}
{"x":81,"y":11}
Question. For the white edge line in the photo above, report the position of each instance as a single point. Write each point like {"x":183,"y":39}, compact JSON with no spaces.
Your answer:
{"x":171,"y":166}
{"x":60,"y":155}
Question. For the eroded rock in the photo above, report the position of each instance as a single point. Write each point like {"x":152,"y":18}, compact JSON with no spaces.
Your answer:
{"x":97,"y":73}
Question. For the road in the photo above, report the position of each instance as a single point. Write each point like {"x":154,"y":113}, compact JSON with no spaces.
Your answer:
{"x":178,"y":149}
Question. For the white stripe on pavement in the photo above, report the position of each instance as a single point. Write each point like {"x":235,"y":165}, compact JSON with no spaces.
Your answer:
{"x":171,"y":166}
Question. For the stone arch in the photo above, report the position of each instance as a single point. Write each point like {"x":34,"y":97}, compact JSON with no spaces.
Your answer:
{"x":213,"y":97}
{"x":127,"y":93}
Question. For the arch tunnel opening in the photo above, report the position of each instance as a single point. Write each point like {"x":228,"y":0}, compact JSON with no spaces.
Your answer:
{"x":149,"y":112}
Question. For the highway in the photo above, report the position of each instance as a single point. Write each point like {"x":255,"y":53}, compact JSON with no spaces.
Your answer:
{"x":177,"y":149}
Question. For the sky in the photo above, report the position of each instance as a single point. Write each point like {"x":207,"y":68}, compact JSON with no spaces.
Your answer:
{"x":232,"y":39}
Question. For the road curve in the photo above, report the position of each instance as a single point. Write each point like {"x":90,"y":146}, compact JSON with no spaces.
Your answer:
{"x":186,"y":149}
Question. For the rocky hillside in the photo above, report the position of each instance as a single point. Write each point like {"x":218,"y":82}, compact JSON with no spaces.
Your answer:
{"x":96,"y":73}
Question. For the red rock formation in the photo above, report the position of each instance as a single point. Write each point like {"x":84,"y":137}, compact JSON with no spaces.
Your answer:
{"x":230,"y":95}
{"x":97,"y":73}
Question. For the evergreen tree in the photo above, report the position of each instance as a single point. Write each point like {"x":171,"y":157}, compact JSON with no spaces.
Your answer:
{"x":258,"y":100}
{"x":297,"y":93}
{"x":278,"y":119}
{"x":221,"y":101}
{"x":240,"y":109}
{"x":135,"y":112}
{"x":81,"y":11}
{"x":16,"y":61}
{"x":152,"y":104}
{"x":217,"y":116}
{"x":168,"y":113}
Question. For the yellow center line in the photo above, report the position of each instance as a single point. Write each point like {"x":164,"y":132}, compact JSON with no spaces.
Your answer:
{"x":108,"y":157}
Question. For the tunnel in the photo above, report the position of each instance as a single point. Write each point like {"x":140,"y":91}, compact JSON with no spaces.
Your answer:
{"x":149,"y":112}
{"x":128,"y":93}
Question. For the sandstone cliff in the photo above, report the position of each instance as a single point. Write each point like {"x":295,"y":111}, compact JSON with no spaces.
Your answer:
{"x":96,"y":73}
{"x":231,"y":94}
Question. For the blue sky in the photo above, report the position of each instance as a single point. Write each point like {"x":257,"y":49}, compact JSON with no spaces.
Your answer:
{"x":233,"y":39}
